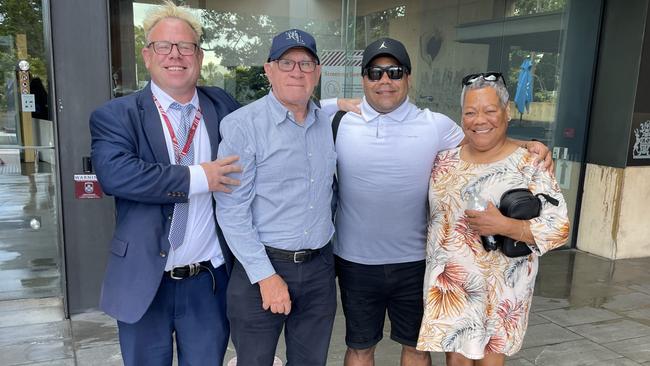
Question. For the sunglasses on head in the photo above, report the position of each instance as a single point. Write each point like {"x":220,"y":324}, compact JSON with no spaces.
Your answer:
{"x":487,"y":76}
{"x":375,"y":73}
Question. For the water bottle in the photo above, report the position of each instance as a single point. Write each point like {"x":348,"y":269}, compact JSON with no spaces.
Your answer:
{"x":476,"y":202}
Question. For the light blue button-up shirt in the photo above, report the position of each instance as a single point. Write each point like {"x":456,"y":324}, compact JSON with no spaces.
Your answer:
{"x":286,"y":184}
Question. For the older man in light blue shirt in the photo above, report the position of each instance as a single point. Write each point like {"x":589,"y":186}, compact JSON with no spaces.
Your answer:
{"x":278,"y":221}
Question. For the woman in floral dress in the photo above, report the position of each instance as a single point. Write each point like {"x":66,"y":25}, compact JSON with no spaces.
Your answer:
{"x":477,"y":302}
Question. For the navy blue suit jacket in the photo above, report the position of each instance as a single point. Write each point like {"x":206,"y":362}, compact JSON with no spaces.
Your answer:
{"x":130,"y":158}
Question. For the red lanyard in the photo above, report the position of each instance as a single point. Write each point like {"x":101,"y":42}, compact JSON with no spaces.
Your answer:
{"x":190,"y":135}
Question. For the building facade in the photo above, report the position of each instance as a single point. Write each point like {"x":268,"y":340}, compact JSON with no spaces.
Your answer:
{"x":575,"y":70}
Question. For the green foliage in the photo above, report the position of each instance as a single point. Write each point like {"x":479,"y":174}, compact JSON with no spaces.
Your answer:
{"x":21,"y":17}
{"x":246,"y":84}
{"x":528,"y":7}
{"x":210,"y":75}
{"x":373,"y":26}
{"x":237,"y":38}
{"x":545,"y":74}
{"x":140,"y":43}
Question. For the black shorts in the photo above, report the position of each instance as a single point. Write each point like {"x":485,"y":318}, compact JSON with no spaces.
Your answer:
{"x":368,"y":291}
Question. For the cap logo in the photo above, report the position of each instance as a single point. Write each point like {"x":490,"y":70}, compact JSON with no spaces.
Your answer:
{"x":294,"y":35}
{"x":383,"y":45}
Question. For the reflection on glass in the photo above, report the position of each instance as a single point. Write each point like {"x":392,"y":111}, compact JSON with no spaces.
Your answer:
{"x":235,"y":41}
{"x":29,"y":123}
{"x":529,"y":7}
{"x":446,"y":40}
{"x":29,"y":259}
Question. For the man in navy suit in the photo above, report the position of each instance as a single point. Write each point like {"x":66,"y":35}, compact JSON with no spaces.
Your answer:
{"x":155,"y":152}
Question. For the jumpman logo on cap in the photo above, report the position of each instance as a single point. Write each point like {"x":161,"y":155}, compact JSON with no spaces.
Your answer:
{"x":383,"y":45}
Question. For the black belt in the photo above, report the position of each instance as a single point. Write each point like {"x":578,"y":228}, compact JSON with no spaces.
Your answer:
{"x":190,"y":270}
{"x":299,"y":256}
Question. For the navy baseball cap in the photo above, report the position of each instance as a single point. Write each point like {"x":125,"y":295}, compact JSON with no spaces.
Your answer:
{"x":292,"y":38}
{"x":386,"y":47}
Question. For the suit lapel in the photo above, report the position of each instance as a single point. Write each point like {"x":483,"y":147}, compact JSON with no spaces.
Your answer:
{"x":211,"y":121}
{"x":152,"y":127}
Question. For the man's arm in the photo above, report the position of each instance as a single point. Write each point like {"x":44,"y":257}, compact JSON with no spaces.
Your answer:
{"x":534,"y":147}
{"x":216,"y":172}
{"x":235,"y":217}
{"x":332,"y":105}
{"x":122,"y":172}
{"x":544,"y":154}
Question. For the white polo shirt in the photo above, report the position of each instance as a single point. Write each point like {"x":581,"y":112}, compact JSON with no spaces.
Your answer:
{"x":384,"y":165}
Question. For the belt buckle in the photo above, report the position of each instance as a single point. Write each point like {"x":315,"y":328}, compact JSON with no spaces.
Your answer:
{"x":298,"y":253}
{"x":171,"y":273}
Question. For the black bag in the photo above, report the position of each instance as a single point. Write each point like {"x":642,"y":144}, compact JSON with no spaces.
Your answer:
{"x":519,"y":203}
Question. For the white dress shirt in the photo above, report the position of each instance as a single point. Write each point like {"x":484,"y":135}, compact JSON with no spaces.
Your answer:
{"x":201,"y":242}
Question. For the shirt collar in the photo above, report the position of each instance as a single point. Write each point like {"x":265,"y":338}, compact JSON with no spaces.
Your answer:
{"x":280,"y":113}
{"x":398,"y":115}
{"x":166,"y":100}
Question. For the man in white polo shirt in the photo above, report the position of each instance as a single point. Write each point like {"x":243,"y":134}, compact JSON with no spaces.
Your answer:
{"x":385,"y":156}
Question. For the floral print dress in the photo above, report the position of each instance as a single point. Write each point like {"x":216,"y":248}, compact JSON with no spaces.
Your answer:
{"x":477,"y":302}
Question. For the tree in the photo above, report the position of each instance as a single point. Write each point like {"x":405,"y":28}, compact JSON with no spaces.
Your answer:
{"x":211,"y":76}
{"x":373,"y":26}
{"x":546,"y":73}
{"x":242,"y":42}
{"x":140,"y":43}
{"x":238,"y":39}
{"x":527,"y":7}
{"x":21,"y":17}
{"x":247,"y":84}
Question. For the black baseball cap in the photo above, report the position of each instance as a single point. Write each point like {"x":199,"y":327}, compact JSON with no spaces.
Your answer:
{"x":386,"y":47}
{"x":292,"y":38}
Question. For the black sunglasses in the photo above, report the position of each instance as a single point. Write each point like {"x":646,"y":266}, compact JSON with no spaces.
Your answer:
{"x":487,"y":76}
{"x":375,"y":73}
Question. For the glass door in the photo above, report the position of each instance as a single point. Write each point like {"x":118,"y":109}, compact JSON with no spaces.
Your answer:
{"x":29,"y":234}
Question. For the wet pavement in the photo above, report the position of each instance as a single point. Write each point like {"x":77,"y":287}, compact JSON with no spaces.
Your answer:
{"x":586,"y":311}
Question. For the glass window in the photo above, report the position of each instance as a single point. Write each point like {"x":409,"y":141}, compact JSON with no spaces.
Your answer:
{"x":524,"y":39}
{"x":237,"y":37}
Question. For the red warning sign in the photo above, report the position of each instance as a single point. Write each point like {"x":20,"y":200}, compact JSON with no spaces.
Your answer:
{"x":86,"y":186}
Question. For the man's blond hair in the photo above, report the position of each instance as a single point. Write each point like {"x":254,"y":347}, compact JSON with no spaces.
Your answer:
{"x":170,"y":10}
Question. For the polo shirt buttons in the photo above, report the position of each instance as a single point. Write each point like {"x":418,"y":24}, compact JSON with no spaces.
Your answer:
{"x":163,"y":253}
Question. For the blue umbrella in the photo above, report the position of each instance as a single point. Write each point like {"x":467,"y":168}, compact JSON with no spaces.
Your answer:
{"x":524,"y":94}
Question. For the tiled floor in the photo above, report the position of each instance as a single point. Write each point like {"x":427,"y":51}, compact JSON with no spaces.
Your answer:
{"x":587,"y":311}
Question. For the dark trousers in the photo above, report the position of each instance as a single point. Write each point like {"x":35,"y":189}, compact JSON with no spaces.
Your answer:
{"x":307,"y":329}
{"x":189,"y":308}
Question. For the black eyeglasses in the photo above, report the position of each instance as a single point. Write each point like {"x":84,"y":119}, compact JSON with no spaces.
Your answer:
{"x":487,"y":76}
{"x":375,"y":73}
{"x":165,"y":47}
{"x":288,"y":65}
